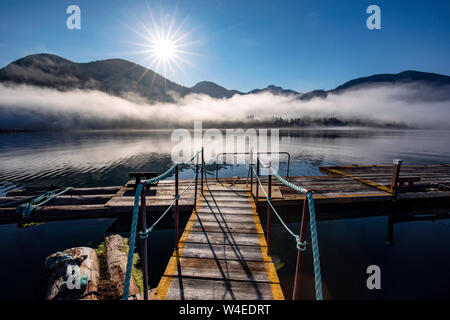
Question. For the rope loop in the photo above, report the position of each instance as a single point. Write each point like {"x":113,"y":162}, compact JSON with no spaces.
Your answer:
{"x":143,"y":234}
{"x":146,"y":233}
{"x":301,"y":245}
{"x":26,"y":208}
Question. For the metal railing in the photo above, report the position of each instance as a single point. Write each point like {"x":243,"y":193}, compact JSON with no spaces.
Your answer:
{"x":308,"y":214}
{"x":250,"y":153}
{"x":140,"y":210}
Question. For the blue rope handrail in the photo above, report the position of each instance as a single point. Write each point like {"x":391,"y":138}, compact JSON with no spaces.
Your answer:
{"x":26,"y":208}
{"x":132,"y":241}
{"x":312,"y":223}
{"x":14,"y":202}
{"x":300,"y":245}
{"x":177,"y":197}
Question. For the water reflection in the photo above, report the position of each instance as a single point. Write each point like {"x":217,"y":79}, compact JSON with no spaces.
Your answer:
{"x":105,"y":157}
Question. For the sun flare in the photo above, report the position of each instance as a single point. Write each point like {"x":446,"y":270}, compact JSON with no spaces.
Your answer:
{"x":164,"y":49}
{"x":164,"y":44}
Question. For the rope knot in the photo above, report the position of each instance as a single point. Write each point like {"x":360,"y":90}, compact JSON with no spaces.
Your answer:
{"x":24,"y":209}
{"x":301,"y":245}
{"x":146,"y":233}
{"x":177,"y":196}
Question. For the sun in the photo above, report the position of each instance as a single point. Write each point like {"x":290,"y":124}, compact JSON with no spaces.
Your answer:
{"x":165,"y":44}
{"x":164,"y":49}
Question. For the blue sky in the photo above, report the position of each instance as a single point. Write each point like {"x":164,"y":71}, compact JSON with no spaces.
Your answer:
{"x":302,"y":45}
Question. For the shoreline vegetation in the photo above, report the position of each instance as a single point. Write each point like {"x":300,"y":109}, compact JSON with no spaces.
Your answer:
{"x":275,"y":122}
{"x":8,"y":131}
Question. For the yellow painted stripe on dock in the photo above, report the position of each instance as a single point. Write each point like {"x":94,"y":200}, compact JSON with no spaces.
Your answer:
{"x":363,"y":195}
{"x":365,"y":181}
{"x":319,"y":196}
{"x":354,"y":166}
{"x":277,"y":293}
{"x":166,"y":279}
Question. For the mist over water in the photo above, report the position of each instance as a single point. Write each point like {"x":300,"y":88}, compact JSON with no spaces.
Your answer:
{"x":28,"y":107}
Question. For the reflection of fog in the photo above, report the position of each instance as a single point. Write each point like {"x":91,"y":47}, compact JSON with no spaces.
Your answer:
{"x":105,"y":157}
{"x":364,"y":146}
{"x":23,"y":155}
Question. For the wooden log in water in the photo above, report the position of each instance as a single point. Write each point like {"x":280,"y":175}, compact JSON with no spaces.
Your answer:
{"x":62,"y":212}
{"x":60,"y":267}
{"x":117,"y":265}
{"x":65,"y":199}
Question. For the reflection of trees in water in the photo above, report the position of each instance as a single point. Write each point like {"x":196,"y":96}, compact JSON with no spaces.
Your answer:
{"x":336,"y":133}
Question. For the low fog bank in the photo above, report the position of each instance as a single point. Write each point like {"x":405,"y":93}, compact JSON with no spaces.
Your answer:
{"x":412,"y":105}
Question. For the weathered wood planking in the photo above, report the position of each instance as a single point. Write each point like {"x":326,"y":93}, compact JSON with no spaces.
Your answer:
{"x":350,"y":185}
{"x":381,"y":177}
{"x":222,"y":253}
{"x":329,"y":189}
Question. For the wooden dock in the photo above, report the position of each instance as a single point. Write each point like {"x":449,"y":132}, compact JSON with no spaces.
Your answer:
{"x":342,"y":192}
{"x":222,"y":253}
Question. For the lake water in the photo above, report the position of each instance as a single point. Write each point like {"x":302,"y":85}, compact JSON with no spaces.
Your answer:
{"x":416,"y":267}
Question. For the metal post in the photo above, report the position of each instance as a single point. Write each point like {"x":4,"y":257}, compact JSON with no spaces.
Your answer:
{"x":257,"y":184}
{"x":203,"y":170}
{"x":217,"y":169}
{"x":257,"y":167}
{"x":251,"y":179}
{"x":298,"y":268}
{"x":288,"y":165}
{"x":196,"y":183}
{"x":176,"y":208}
{"x":397,"y":164}
{"x":269,"y":211}
{"x":390,"y":231}
{"x":217,"y":165}
{"x":250,"y":167}
{"x":143,"y":212}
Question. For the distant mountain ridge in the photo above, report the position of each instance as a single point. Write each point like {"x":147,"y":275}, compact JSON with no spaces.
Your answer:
{"x":114,"y":76}
{"x":402,"y":77}
{"x":275,"y":90}
{"x":123,"y":78}
{"x":214,"y":90}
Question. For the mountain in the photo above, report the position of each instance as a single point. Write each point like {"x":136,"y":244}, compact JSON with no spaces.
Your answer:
{"x":115,"y":76}
{"x":405,"y":77}
{"x":123,"y":78}
{"x":213,"y":90}
{"x":275,"y":90}
{"x":314,"y":94}
{"x":399,"y":78}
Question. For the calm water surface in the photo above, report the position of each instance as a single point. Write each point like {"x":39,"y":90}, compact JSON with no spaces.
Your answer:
{"x":417,"y":266}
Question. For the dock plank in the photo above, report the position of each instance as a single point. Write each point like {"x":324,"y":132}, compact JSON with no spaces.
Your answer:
{"x":221,"y":255}
{"x":223,"y":252}
{"x":240,"y":270}
{"x":201,"y":289}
